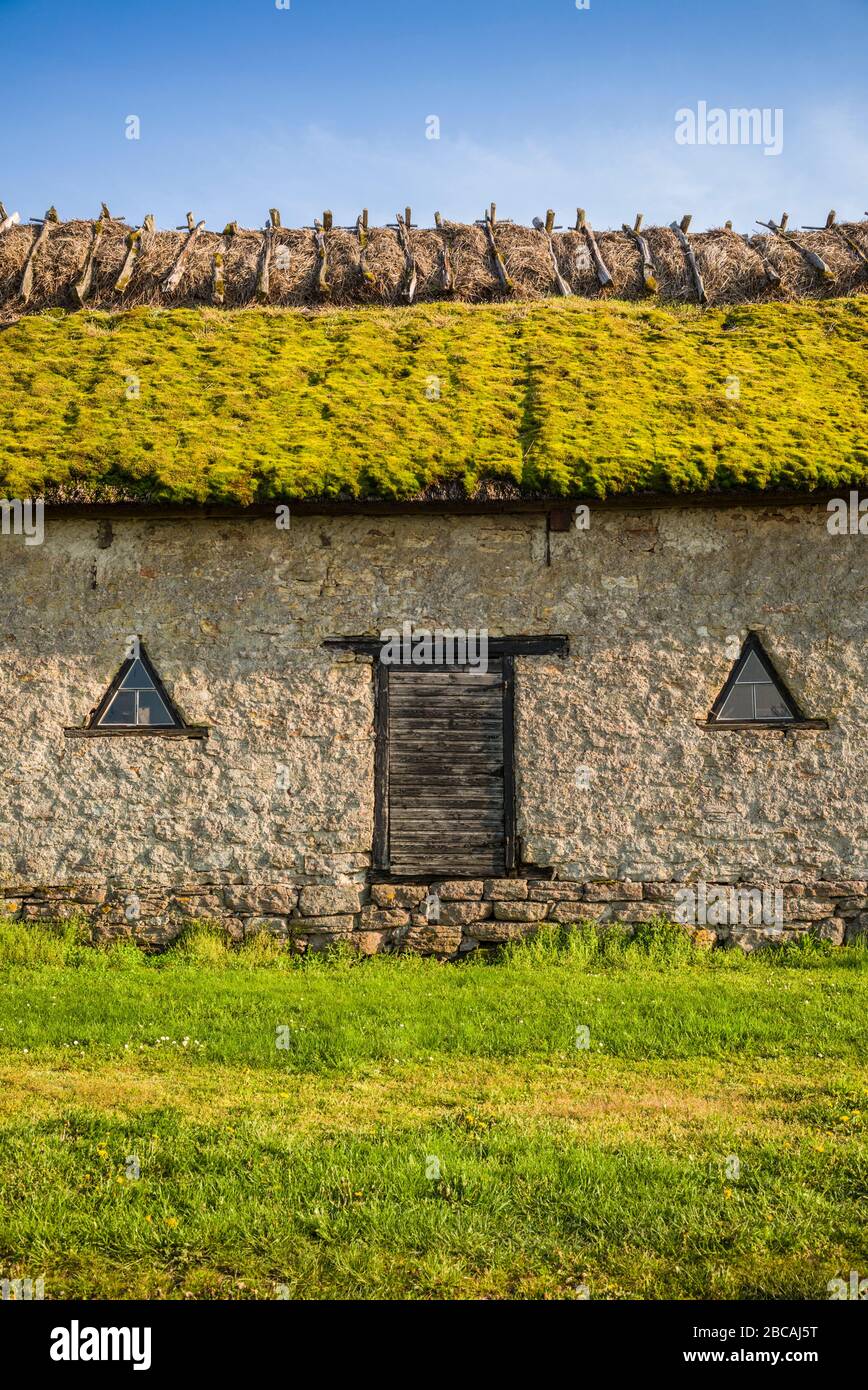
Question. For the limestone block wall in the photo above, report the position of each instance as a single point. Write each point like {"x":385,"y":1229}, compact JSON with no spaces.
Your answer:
{"x":269,"y":821}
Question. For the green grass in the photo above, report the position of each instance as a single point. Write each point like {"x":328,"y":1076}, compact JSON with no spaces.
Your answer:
{"x":557,"y":397}
{"x":311,"y":1170}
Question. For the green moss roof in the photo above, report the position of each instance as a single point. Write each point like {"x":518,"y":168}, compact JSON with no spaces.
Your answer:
{"x":560,"y":397}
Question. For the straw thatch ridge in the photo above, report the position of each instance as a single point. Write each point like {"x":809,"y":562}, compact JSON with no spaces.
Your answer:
{"x":733,"y":268}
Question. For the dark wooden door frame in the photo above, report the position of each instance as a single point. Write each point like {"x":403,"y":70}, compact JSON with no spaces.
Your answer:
{"x":505,"y":648}
{"x":381,"y":862}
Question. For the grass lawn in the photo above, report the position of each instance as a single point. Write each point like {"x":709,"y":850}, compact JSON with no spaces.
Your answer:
{"x":429,"y":1130}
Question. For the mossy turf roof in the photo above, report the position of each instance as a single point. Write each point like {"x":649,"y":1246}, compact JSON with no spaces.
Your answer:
{"x":556,"y":398}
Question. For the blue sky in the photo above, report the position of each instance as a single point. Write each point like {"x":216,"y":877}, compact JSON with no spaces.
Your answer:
{"x":244,"y":106}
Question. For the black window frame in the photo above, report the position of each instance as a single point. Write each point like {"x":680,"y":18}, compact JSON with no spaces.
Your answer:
{"x":92,"y":728}
{"x":753,"y":645}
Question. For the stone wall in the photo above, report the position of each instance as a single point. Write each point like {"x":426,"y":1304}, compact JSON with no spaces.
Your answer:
{"x":443,"y":918}
{"x":269,"y":820}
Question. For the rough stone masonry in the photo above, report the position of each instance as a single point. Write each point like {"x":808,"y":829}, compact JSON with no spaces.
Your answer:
{"x":266,"y":824}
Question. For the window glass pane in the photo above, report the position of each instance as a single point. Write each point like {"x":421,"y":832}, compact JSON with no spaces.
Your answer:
{"x":137,"y":678}
{"x":738,"y":703}
{"x":152,"y":709}
{"x":753,"y":670}
{"x":122,"y":709}
{"x":770,"y":704}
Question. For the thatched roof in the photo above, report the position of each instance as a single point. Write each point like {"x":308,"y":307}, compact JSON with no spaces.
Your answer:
{"x":557,"y":399}
{"x":284,"y":267}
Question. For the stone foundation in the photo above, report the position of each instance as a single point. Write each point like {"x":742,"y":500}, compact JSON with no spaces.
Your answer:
{"x":460,"y":916}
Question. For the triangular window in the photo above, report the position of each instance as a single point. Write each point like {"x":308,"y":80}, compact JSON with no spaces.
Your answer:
{"x":136,"y":699}
{"x":754,"y":692}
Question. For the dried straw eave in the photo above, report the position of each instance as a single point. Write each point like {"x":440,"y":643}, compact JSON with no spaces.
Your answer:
{"x":731,"y":268}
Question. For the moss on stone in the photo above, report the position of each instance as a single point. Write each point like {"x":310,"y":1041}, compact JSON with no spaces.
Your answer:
{"x":558,"y":397}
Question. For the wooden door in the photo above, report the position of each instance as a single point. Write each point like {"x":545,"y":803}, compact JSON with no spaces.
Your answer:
{"x":445,"y":785}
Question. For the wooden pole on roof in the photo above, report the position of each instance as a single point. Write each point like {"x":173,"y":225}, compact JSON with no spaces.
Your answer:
{"x":768,"y":269}
{"x":680,"y":229}
{"x":218,"y":283}
{"x":263,"y":277}
{"x":832,"y":225}
{"x":489,"y":222}
{"x":447,"y":276}
{"x":546,"y":228}
{"x":649,"y":274}
{"x":779,"y":229}
{"x":136,"y":240}
{"x":362,"y":234}
{"x":583,"y":225}
{"x":175,"y":275}
{"x":319,"y":231}
{"x":404,"y":226}
{"x":47,"y":222}
{"x":81,"y":289}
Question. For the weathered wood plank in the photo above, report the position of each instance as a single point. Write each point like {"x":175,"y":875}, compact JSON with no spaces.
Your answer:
{"x":583,"y":225}
{"x":447,"y":275}
{"x":440,"y":826}
{"x":425,"y":834}
{"x":218,"y":283}
{"x":404,"y":225}
{"x":25,"y":289}
{"x":779,"y":229}
{"x":480,"y":763}
{"x":545,"y":228}
{"x":136,"y":240}
{"x":488,"y":223}
{"x":263,"y":277}
{"x":680,"y":230}
{"x":82,"y":287}
{"x":176,"y":274}
{"x":362,"y":233}
{"x":421,"y":795}
{"x":649,"y":272}
{"x":319,"y":236}
{"x":497,"y":646}
{"x":832,"y":225}
{"x":459,"y":683}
